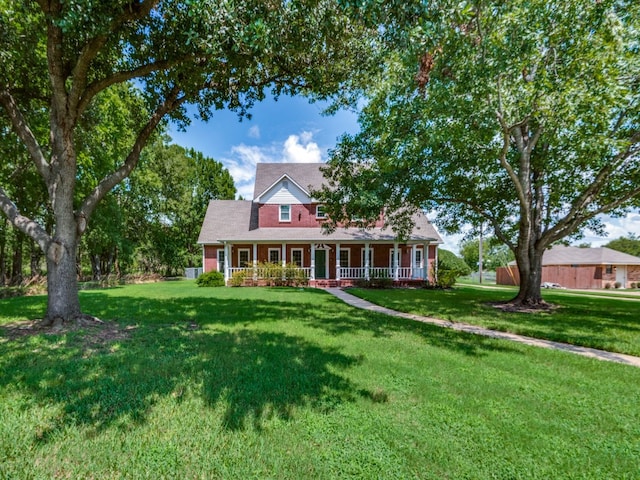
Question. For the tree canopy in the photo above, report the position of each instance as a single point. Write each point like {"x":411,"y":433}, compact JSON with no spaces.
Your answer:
{"x":494,"y":253}
{"x":630,"y":245}
{"x":523,"y":115}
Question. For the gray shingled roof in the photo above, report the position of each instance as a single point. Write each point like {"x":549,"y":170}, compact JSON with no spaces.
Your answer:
{"x":306,"y":175}
{"x":237,"y":220}
{"x":562,"y":255}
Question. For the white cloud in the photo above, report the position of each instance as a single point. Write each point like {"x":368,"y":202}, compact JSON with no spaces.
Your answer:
{"x":301,"y":149}
{"x":615,"y":228}
{"x":243,"y":158}
{"x":254,"y":132}
{"x":242,"y":166}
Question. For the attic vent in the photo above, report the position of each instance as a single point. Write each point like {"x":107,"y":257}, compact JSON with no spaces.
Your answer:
{"x":285,"y":183}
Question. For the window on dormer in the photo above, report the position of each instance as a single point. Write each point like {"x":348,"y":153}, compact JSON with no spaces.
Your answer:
{"x":285,"y":213}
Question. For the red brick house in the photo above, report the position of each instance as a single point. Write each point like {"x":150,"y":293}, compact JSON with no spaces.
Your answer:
{"x":283,"y":225}
{"x":583,"y":268}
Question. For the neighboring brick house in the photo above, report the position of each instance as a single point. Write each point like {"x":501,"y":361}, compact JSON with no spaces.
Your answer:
{"x":584,"y":268}
{"x":283,"y":225}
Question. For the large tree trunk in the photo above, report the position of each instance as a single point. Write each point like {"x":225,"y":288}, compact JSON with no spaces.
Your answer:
{"x":62,"y":284}
{"x":530,"y":269}
{"x":63,"y":304}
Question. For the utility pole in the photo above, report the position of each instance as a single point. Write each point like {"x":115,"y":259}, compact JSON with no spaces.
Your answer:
{"x":480,"y":255}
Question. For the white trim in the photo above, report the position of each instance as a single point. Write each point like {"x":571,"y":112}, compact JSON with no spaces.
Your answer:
{"x":248,"y":250}
{"x":279,"y":250}
{"x":348,"y":250}
{"x":255,"y":261}
{"x":301,"y":250}
{"x":227,"y":258}
{"x":363,"y":260}
{"x":280,"y":213}
{"x":219,"y":263}
{"x":397,"y":254}
{"x":366,"y":257}
{"x":324,"y":216}
{"x":304,"y":190}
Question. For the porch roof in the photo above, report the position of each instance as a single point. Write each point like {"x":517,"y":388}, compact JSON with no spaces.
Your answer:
{"x":237,"y":221}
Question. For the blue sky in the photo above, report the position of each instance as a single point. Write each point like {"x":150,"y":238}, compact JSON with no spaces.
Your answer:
{"x":293,"y":130}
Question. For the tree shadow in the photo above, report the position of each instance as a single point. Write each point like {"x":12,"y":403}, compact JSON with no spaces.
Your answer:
{"x":254,"y":376}
{"x":584,"y":321}
{"x":221,"y":350}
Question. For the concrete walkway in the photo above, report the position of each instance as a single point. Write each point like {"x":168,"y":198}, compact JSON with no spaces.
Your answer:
{"x":465,"y":327}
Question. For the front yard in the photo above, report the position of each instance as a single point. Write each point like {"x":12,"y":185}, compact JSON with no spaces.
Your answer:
{"x":291,"y":383}
{"x":591,"y":319}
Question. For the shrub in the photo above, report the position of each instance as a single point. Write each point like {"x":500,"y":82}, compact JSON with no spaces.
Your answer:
{"x":210,"y":279}
{"x":237,"y":279}
{"x":276,"y":275}
{"x":607,"y":285}
{"x":450,"y":267}
{"x":633,"y":285}
{"x":617,"y":285}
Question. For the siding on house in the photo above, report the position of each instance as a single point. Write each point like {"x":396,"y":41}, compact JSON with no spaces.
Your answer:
{"x":284,"y":192}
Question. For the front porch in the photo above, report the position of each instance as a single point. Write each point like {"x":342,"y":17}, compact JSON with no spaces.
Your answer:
{"x":321,"y":264}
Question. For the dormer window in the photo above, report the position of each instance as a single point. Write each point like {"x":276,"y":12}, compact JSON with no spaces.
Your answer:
{"x":285,"y":213}
{"x":320,"y":211}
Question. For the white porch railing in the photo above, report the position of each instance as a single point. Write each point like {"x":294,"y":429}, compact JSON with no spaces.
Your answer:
{"x":344,"y":272}
{"x":264,"y":272}
{"x":381,"y":272}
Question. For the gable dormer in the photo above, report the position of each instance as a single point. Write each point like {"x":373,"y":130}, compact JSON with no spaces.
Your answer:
{"x":285,"y":191}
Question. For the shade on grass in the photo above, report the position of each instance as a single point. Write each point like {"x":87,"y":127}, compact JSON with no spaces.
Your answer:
{"x":607,"y":323}
{"x":291,"y":383}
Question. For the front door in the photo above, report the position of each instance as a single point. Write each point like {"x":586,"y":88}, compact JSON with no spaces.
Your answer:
{"x":321,"y":264}
{"x":621,"y":275}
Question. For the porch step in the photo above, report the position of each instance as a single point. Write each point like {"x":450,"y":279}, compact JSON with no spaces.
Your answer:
{"x":325,"y":283}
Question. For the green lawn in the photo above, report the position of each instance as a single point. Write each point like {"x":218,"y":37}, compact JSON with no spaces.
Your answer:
{"x":291,"y":383}
{"x":611,"y":323}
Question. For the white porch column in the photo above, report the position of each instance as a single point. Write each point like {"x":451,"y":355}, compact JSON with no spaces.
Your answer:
{"x":395,"y":263}
{"x":337,"y":261}
{"x":366,"y":262}
{"x":284,"y":260}
{"x":435,"y":266}
{"x":227,"y":262}
{"x":255,"y":261}
{"x":414,"y":266}
{"x":312,"y":273}
{"x":425,"y":262}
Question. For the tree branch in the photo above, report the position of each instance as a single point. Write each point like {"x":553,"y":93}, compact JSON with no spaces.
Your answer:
{"x":119,"y":77}
{"x":24,"y":224}
{"x":93,"y":46}
{"x":55,"y":61}
{"x":603,"y":176}
{"x":506,"y":141}
{"x":25,"y":134}
{"x":575,"y":218}
{"x":89,"y":204}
